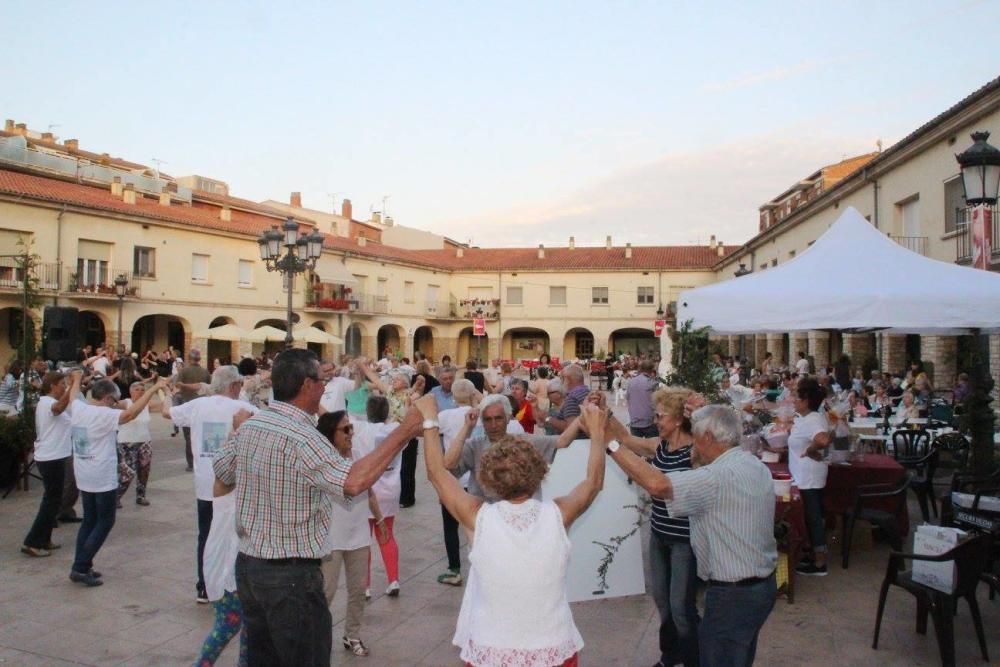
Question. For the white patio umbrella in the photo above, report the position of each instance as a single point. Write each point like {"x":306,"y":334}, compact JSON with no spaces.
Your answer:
{"x":264,"y":334}
{"x":229,"y":332}
{"x":313,"y":335}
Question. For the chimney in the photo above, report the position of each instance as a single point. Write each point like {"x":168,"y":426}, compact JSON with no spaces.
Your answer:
{"x":460,"y":252}
{"x":346,"y":210}
{"x":116,"y":186}
{"x":722,"y":249}
{"x":362,"y":241}
{"x":607,"y":243}
{"x":21,"y":128}
{"x":165,"y":196}
{"x":72,"y":145}
{"x":628,"y":251}
{"x":48,"y":136}
{"x":377,"y":217}
{"x":296,"y":200}
{"x":225,"y":214}
{"x":541,"y":251}
{"x":711,"y":241}
{"x":128,"y":194}
{"x":8,"y":126}
{"x":388,"y":221}
{"x":572,"y":242}
{"x":105,"y":159}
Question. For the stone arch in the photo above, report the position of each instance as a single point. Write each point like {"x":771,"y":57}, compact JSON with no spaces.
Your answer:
{"x":634,"y":341}
{"x":157,"y":331}
{"x":524,"y":343}
{"x":354,"y":337}
{"x":423,"y":340}
{"x":391,"y":337}
{"x":472,"y":347}
{"x":578,"y":343}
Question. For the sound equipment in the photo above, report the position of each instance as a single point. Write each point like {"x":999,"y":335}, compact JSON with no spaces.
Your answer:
{"x":61,"y":330}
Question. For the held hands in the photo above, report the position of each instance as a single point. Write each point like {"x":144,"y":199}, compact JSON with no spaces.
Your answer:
{"x":471,"y":417}
{"x":598,"y":398}
{"x":593,"y":417}
{"x":693,"y":403}
{"x":428,"y":406}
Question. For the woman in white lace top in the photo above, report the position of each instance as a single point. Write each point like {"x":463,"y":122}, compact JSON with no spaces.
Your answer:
{"x":515,"y":612}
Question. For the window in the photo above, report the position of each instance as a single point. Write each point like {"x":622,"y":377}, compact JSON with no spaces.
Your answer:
{"x":557,"y":296}
{"x":774,"y":262}
{"x":791,"y":253}
{"x":408,"y":291}
{"x":432,"y":300}
{"x":645,"y":296}
{"x":92,"y":272}
{"x":382,"y":289}
{"x":199,"y":268}
{"x":515,"y":296}
{"x":599,"y":296}
{"x":245,"y":278}
{"x":144,"y":262}
{"x":954,"y":204}
{"x":909,"y":213}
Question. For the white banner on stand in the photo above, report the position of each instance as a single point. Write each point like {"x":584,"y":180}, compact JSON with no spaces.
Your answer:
{"x":612,"y":515}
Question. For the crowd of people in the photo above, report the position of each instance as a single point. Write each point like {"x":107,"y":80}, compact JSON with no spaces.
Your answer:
{"x":299,"y":463}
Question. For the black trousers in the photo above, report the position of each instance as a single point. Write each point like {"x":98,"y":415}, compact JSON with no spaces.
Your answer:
{"x":204,"y":525}
{"x":70,"y":493}
{"x":53,"y":475}
{"x":408,"y":474}
{"x":450,"y":526}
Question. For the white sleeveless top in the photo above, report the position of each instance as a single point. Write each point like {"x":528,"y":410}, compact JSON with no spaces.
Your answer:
{"x":514,"y":611}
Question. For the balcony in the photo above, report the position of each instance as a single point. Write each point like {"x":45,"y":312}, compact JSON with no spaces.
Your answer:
{"x":917,"y":244}
{"x":12,"y":276}
{"x":488,"y":309}
{"x":350,"y":302}
{"x":440,"y":310}
{"x":963,"y":237}
{"x":101,"y":285}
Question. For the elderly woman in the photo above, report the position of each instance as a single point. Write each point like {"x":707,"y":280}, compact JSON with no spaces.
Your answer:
{"x":515,"y":609}
{"x":671,"y":560}
{"x":135,"y":456}
{"x":524,"y":415}
{"x":556,"y":395}
{"x":399,"y":393}
{"x":809,"y":438}
{"x":908,"y":408}
{"x":348,"y":541}
{"x":256,"y":384}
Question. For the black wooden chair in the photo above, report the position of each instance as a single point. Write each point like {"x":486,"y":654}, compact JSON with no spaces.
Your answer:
{"x":885,"y":520}
{"x":922,"y":481}
{"x":970,"y":561}
{"x":910,"y":443}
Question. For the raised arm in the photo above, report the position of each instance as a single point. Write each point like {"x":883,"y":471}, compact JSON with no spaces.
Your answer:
{"x":362,"y":365}
{"x":460,"y":504}
{"x":645,"y":447}
{"x":454,"y":453}
{"x":70,"y":394}
{"x":366,"y":470}
{"x":579,"y":499}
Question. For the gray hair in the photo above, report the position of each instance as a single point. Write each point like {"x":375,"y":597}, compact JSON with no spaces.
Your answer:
{"x":104,"y":388}
{"x":496,"y":399}
{"x":521,"y":383}
{"x":463,"y":391}
{"x":223,"y":377}
{"x":194,"y":355}
{"x":393,"y":374}
{"x":555,"y":385}
{"x":719,"y":421}
{"x":445,"y":369}
{"x":574,"y":371}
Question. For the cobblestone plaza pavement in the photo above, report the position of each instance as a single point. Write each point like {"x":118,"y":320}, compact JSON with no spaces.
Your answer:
{"x":146,"y":614}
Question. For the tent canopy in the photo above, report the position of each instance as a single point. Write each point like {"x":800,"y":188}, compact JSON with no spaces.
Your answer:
{"x":853,"y":277}
{"x":229,"y":332}
{"x":264,"y":334}
{"x":313,"y":335}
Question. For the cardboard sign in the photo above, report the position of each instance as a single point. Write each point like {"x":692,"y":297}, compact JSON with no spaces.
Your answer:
{"x":479,"y":326}
{"x":658,"y":326}
{"x":982,"y":237}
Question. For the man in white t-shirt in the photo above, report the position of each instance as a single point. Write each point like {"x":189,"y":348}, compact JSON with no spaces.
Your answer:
{"x":210,"y":419}
{"x":93,"y":431}
{"x":52,"y":450}
{"x":100,"y":364}
{"x":802,"y":365}
{"x":335,"y":393}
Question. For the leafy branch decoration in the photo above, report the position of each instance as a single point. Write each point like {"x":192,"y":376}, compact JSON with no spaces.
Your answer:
{"x":613,"y":544}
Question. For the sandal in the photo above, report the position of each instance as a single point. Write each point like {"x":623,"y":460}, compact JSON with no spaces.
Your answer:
{"x":355,"y":646}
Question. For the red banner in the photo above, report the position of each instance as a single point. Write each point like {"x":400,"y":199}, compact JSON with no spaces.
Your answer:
{"x":982,"y":237}
{"x":479,"y":327}
{"x":658,"y":326}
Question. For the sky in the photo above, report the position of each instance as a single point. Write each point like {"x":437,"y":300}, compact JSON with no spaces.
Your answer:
{"x":504,"y":123}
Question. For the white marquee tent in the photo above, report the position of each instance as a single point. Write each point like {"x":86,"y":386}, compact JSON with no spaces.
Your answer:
{"x":853,"y":277}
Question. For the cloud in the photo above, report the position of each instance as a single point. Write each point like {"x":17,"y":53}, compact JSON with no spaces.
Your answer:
{"x":768,"y":76}
{"x":676,"y":199}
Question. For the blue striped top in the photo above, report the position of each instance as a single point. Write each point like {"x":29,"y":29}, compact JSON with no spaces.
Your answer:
{"x":678,"y":530}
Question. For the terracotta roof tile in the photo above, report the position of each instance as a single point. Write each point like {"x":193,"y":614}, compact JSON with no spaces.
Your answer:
{"x":250,"y":223}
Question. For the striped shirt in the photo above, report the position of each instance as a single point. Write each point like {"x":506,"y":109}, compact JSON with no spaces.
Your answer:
{"x":731,"y":506}
{"x":666,"y":461}
{"x":283,"y":470}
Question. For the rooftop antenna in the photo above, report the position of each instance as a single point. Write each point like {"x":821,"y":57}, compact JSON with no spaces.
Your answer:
{"x":52,"y":126}
{"x":157,"y":162}
{"x":878,"y":143}
{"x":333,"y":200}
{"x":385,"y":208}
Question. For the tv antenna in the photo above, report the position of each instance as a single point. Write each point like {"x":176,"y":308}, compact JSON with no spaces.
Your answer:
{"x":157,"y":162}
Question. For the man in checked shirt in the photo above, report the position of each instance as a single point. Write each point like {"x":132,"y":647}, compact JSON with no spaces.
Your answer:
{"x":285,"y":473}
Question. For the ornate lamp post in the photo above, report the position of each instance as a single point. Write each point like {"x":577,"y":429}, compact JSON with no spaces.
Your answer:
{"x":301,"y":253}
{"x":980,"y":164}
{"x":121,"y":286}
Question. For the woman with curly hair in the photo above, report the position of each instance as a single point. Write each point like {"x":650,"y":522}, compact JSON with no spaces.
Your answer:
{"x":515,"y":609}
{"x":672,"y":563}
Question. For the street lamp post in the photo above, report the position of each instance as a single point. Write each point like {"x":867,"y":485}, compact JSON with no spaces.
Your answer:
{"x":121,"y":285}
{"x":980,"y":165}
{"x":301,"y":253}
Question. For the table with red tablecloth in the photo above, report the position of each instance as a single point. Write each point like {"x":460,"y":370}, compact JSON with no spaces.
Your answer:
{"x":843,"y":479}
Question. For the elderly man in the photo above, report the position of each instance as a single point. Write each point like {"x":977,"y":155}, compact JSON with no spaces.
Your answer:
{"x":575,"y":393}
{"x":189,"y":383}
{"x":209,"y":420}
{"x":730,"y":502}
{"x":639,"y":399}
{"x":284,"y":472}
{"x":336,"y":390}
{"x":494,"y":414}
{"x":442,"y":393}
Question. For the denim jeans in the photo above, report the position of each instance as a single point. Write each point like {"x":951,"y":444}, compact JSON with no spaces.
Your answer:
{"x":733,"y":618}
{"x":812,"y":503}
{"x":674,"y":577}
{"x":70,"y":493}
{"x":98,"y":519}
{"x":204,"y":525}
{"x":53,"y":474}
{"x":287,"y":621}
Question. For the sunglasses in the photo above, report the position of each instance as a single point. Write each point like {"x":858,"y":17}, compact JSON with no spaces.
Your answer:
{"x":347,"y":430}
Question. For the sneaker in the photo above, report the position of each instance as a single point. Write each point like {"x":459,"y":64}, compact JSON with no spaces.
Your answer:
{"x":368,"y":595}
{"x":52,"y":546}
{"x":85,"y":578}
{"x":142,"y":501}
{"x":393,"y":590}
{"x":451,"y":577}
{"x":355,"y":646}
{"x":202,"y":595}
{"x":35,"y":552}
{"x":812,"y":570}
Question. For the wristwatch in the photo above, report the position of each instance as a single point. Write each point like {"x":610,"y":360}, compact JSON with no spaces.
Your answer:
{"x":430,"y":423}
{"x":612,"y":447}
